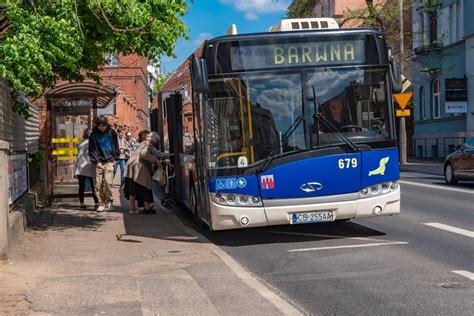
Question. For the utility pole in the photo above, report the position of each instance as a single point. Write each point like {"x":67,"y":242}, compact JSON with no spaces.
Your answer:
{"x":402,"y":132}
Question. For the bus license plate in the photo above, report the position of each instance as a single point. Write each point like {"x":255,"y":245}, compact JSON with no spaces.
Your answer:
{"x":312,"y":217}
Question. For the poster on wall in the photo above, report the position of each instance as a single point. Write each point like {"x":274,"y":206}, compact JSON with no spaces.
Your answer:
{"x":456,"y":95}
{"x":17,"y":176}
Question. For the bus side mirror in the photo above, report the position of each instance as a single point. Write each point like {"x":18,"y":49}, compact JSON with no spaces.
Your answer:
{"x":199,"y":75}
{"x":396,"y":77}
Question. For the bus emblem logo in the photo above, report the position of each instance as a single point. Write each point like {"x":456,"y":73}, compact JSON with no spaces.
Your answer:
{"x":267,"y":182}
{"x":311,"y":187}
{"x":381,"y":169}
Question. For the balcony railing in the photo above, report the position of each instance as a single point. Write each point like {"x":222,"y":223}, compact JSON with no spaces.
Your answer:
{"x":428,"y":48}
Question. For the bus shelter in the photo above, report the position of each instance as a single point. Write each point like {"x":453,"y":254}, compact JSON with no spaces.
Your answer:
{"x":71,"y":109}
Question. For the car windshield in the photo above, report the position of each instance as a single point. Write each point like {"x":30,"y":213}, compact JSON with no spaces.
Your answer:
{"x":352,"y":101}
{"x":249,"y":116}
{"x":469,"y":143}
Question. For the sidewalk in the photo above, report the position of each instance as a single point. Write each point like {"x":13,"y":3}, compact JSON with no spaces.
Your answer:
{"x":423,"y":166}
{"x":82,"y":262}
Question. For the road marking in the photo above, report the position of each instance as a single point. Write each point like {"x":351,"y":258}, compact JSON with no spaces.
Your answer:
{"x":281,"y":304}
{"x":452,"y":229}
{"x":434,"y":186}
{"x":318,"y":235}
{"x":350,"y":246}
{"x":466,"y":274}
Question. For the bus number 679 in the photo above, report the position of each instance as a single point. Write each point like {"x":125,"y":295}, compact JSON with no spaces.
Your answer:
{"x":347,"y":163}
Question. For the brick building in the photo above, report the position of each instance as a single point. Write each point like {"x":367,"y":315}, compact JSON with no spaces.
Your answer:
{"x":338,"y":9}
{"x":70,"y":108}
{"x":129,"y":75}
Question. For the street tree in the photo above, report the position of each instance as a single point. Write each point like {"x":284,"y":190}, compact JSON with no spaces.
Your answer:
{"x":44,"y":41}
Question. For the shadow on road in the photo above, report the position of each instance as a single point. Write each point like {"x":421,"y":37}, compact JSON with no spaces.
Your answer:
{"x":278,"y":234}
{"x":63,"y":218}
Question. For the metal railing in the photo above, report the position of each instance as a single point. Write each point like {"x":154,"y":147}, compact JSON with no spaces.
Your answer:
{"x":436,"y":148}
{"x":428,"y":48}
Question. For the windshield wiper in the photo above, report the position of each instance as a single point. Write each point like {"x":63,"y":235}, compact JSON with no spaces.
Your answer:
{"x":320,"y":118}
{"x":273,"y":153}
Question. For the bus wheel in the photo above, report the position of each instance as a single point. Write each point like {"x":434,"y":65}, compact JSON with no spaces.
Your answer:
{"x":194,"y":207}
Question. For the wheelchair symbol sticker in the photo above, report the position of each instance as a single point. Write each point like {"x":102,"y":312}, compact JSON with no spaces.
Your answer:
{"x":220,"y":184}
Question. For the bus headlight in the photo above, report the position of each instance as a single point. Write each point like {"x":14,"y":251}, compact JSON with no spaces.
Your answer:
{"x":378,"y":189}
{"x":232,"y":199}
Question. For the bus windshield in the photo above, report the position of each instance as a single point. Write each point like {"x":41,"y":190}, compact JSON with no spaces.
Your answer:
{"x":353,"y":101}
{"x":253,"y":116}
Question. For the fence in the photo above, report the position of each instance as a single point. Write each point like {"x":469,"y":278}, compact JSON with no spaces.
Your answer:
{"x":22,"y":135}
{"x":436,"y":147}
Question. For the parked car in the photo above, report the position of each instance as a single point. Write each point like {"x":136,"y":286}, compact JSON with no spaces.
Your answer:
{"x":460,"y":164}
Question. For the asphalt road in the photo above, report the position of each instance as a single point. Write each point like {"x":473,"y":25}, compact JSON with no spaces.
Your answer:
{"x":417,"y":263}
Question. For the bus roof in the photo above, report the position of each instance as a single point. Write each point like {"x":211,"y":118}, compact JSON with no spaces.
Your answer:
{"x":286,"y":34}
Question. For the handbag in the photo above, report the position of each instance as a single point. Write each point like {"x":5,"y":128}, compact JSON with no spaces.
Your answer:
{"x":159,"y":176}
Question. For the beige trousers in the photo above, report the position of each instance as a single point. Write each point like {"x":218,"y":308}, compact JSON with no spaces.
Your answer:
{"x":104,"y":180}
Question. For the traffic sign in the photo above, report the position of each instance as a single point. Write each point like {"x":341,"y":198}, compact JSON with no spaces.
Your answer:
{"x":401,"y":113}
{"x":403,"y":99}
{"x":406,"y":84}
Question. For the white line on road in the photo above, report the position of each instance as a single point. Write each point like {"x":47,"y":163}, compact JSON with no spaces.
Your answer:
{"x":466,"y":274}
{"x":434,"y":186}
{"x":452,"y":229}
{"x":350,"y":246}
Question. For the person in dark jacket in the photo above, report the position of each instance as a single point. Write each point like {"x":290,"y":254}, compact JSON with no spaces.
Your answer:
{"x":104,"y":151}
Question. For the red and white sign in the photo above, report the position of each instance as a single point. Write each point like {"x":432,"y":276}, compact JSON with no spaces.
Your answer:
{"x":267,"y":182}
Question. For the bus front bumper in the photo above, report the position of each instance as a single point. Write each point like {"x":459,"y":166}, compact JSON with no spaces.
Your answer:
{"x":231,"y":217}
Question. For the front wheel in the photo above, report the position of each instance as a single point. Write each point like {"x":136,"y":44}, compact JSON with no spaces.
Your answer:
{"x":449,"y":174}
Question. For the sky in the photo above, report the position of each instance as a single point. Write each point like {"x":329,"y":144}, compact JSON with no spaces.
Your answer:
{"x":211,"y":18}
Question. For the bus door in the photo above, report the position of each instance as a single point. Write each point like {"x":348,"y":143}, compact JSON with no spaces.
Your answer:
{"x":174,"y":106}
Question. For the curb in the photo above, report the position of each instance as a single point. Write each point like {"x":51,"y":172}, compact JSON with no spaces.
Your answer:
{"x":18,"y":219}
{"x":247,"y":277}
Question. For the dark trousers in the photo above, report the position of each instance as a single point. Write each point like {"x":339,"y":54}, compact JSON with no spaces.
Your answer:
{"x":82,"y":188}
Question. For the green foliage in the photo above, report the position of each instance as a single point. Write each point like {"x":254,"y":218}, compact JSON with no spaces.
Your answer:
{"x":36,"y":159}
{"x":302,"y":9}
{"x":158,"y":83}
{"x":386,"y":18}
{"x":51,"y":40}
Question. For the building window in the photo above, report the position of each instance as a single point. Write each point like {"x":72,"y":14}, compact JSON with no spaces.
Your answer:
{"x":422,"y":103}
{"x":436,"y":110}
{"x":455,"y":21}
{"x":111,"y":60}
{"x":433,"y":27}
{"x":426,"y":27}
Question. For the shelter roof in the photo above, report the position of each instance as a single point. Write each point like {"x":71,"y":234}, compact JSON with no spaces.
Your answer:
{"x":82,"y":90}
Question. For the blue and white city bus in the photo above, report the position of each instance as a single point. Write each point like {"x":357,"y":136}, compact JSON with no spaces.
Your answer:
{"x":285,"y":127}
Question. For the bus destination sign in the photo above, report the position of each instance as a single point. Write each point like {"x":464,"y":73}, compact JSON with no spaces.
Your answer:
{"x":297,"y":54}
